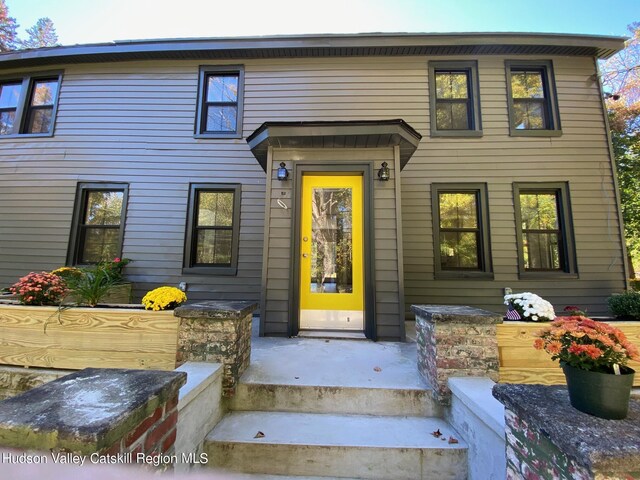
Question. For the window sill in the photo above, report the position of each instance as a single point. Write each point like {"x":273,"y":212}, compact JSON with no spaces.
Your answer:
{"x":222,"y":271}
{"x":462,"y":275}
{"x":27,"y":135}
{"x":456,"y":133}
{"x":535,"y":133}
{"x":548,"y":276}
{"x":219,"y":136}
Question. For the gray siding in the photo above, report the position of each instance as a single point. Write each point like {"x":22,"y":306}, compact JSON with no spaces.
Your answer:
{"x":579,"y":156}
{"x":133,"y":122}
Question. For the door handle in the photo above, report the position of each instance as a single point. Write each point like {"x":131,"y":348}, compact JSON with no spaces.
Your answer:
{"x":305,"y":255}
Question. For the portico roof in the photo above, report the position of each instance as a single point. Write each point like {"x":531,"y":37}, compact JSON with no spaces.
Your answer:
{"x":335,"y":134}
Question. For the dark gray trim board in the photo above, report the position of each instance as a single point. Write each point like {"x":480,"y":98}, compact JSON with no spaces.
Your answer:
{"x":365,"y":169}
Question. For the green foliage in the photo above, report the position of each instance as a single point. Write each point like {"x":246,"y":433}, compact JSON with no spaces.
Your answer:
{"x":90,"y":287}
{"x":621,"y":81}
{"x":626,"y":146}
{"x":626,"y":304}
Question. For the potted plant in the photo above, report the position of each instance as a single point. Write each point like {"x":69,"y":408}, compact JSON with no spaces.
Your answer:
{"x":625,"y":306}
{"x":40,"y":288}
{"x":593,"y":356}
{"x":529,"y":307}
{"x":163,"y":298}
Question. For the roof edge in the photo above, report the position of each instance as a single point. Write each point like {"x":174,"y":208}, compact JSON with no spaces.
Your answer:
{"x":158,"y":47}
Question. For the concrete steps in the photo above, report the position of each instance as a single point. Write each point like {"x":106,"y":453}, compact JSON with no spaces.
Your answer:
{"x":334,"y":409}
{"x":334,"y":399}
{"x":354,"y":446}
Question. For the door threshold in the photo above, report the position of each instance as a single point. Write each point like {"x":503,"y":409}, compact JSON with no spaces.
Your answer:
{"x":332,"y":334}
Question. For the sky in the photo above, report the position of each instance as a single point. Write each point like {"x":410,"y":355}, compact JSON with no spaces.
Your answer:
{"x":94,"y":21}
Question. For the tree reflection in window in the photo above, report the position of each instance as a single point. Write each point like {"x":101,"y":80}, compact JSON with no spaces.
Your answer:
{"x":331,"y":245}
{"x":214,"y":228}
{"x":541,"y":233}
{"x":459,"y":231}
{"x":530,"y":103}
{"x":100,"y":226}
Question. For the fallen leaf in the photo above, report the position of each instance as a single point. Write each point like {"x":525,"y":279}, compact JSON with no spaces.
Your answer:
{"x":453,"y":440}
{"x":259,"y":435}
{"x":437,"y":433}
{"x":377,"y":369}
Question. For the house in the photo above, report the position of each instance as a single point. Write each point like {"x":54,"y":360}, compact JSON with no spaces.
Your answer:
{"x":337,"y":179}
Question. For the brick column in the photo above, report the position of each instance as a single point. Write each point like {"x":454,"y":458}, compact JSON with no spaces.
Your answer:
{"x":455,"y":341}
{"x":220,"y":332}
{"x":128,"y":416}
{"x":548,"y":438}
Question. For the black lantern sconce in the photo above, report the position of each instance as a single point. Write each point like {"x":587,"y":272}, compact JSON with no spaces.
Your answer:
{"x":383,"y":173}
{"x":283,"y":173}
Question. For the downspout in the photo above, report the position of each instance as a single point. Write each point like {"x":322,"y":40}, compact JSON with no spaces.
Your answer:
{"x":614,"y":173}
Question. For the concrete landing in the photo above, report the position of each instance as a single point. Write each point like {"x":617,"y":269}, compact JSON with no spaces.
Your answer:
{"x":346,"y":363}
{"x":357,"y":446}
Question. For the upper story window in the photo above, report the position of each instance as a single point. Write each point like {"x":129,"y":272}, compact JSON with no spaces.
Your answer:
{"x":545,"y":238}
{"x":461,"y":225}
{"x":454,"y":98}
{"x":220,"y":102}
{"x":533,"y":108}
{"x":98,"y":225}
{"x":213,"y":227}
{"x":28,"y":105}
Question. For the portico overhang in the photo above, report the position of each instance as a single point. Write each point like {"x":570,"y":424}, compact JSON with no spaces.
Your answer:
{"x":335,"y":134}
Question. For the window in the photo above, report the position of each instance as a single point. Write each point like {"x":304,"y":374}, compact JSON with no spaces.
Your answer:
{"x":98,"y":223}
{"x":461,"y":230}
{"x":455,"y":99}
{"x":220,"y":102}
{"x":212,"y":229}
{"x":533,"y":107}
{"x":28,"y":105}
{"x":545,"y":238}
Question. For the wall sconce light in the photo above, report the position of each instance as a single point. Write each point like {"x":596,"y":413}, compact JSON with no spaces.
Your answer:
{"x":383,"y":173}
{"x":283,"y":173}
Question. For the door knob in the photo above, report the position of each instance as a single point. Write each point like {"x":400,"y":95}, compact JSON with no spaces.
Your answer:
{"x":305,"y":255}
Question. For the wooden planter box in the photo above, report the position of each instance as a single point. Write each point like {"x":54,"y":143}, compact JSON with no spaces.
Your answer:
{"x":80,"y":337}
{"x":521,"y":363}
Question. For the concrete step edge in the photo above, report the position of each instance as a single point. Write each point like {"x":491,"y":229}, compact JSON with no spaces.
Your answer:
{"x":334,"y":399}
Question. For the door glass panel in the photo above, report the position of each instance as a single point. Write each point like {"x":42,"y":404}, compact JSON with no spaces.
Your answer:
{"x":331,"y":240}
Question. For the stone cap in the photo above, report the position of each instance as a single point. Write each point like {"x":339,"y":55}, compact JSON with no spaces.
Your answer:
{"x":455,"y":314}
{"x":216,"y":309}
{"x":86,"y":411}
{"x":600,"y":445}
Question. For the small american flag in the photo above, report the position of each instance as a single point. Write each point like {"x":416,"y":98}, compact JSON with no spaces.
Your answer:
{"x":512,"y":313}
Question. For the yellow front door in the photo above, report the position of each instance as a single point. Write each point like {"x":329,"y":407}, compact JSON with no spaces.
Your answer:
{"x":331,"y":246}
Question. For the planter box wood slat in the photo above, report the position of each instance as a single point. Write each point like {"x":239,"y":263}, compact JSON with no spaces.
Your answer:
{"x":521,"y":363}
{"x":79,"y":337}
